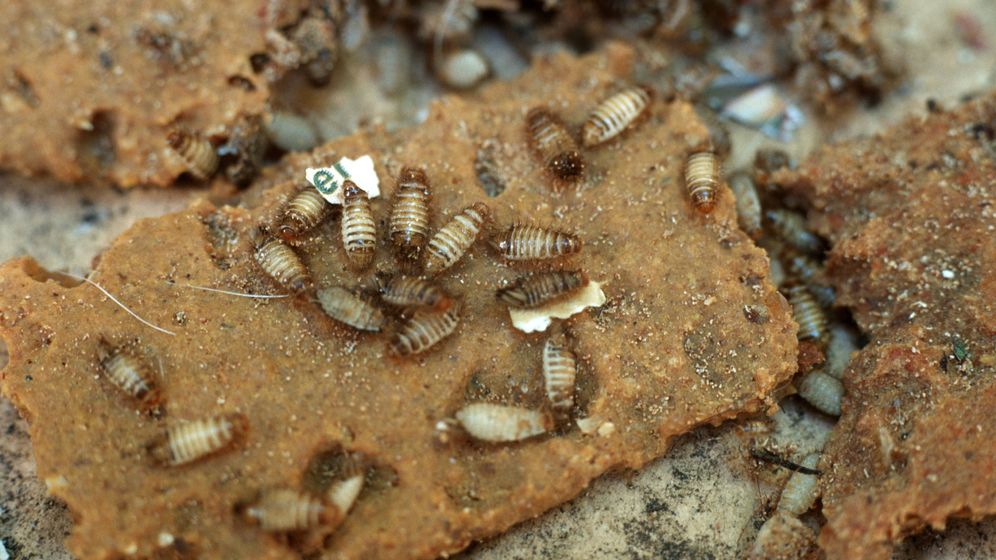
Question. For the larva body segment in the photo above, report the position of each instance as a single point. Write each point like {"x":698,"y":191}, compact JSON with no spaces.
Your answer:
{"x":129,"y":374}
{"x":843,"y":343}
{"x":501,"y":423}
{"x":821,"y":390}
{"x":535,"y":290}
{"x":409,"y":291}
{"x":195,"y":151}
{"x":189,"y":441}
{"x":343,"y":493}
{"x":809,"y":271}
{"x":801,"y":490}
{"x":282,"y":264}
{"x":359,"y":231}
{"x":285,"y":509}
{"x":350,"y":309}
{"x":424,"y":330}
{"x":790,"y":226}
{"x":808,"y":314}
{"x":304,"y":212}
{"x":409,"y":225}
{"x":453,"y":240}
{"x":525,"y":243}
{"x":748,"y":203}
{"x":553,"y":145}
{"x":615,"y":114}
{"x":559,"y":373}
{"x":702,"y":180}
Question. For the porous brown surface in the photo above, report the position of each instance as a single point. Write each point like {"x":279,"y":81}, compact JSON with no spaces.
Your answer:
{"x":912,"y":217}
{"x":671,"y":349}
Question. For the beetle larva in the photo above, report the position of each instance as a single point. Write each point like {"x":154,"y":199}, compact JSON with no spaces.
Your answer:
{"x":524,"y":243}
{"x":129,"y":373}
{"x":535,"y":290}
{"x":807,"y":313}
{"x":343,"y":493}
{"x":359,"y":231}
{"x":304,"y":212}
{"x":424,"y":330}
{"x":614,"y":115}
{"x":283,"y":265}
{"x":791,"y":227}
{"x":843,"y":343}
{"x":702,"y":180}
{"x":801,"y":489}
{"x":196,"y":152}
{"x":452,"y":241}
{"x":809,"y":271}
{"x":190,"y":441}
{"x":559,"y":372}
{"x":748,"y":203}
{"x":821,"y":390}
{"x":409,"y":224}
{"x":501,"y":423}
{"x":409,"y":291}
{"x":350,"y":309}
{"x":285,"y":509}
{"x":554,"y":146}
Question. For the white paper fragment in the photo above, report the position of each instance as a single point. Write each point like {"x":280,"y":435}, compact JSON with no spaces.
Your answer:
{"x":328,"y":180}
{"x":538,"y":319}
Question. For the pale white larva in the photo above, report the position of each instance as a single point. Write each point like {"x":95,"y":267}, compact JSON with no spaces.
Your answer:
{"x":748,"y":203}
{"x":801,"y":490}
{"x":822,"y":391}
{"x":285,"y":509}
{"x":843,"y":343}
{"x":502,"y":423}
{"x":343,"y":493}
{"x":614,"y":115}
{"x":189,"y":441}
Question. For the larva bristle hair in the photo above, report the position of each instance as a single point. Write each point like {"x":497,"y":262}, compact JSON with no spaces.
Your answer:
{"x":554,"y":146}
{"x":410,"y":291}
{"x":615,"y":114}
{"x":453,"y":240}
{"x":129,"y":373}
{"x":409,"y":224}
{"x":702,"y":180}
{"x":808,"y":314}
{"x":187,"y":442}
{"x":196,"y":152}
{"x":559,"y":373}
{"x":282,"y":264}
{"x":304,"y":212}
{"x":522,"y":242}
{"x":350,"y":309}
{"x":359,"y":230}
{"x":801,"y":489}
{"x":821,"y":390}
{"x":423,"y":331}
{"x":790,"y":226}
{"x":538,"y":289}
{"x":501,"y":423}
{"x":284,"y":509}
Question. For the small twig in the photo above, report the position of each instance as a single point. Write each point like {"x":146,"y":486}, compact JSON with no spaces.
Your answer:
{"x":121,"y":305}
{"x":770,"y":457}
{"x":238,"y":294}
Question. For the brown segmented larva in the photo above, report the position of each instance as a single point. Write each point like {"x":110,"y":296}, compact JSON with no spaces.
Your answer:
{"x":196,"y":152}
{"x":801,"y":489}
{"x":409,"y":291}
{"x":615,"y":114}
{"x":807,"y":313}
{"x":304,"y":212}
{"x":346,"y":307}
{"x":359,"y":231}
{"x":452,"y":241}
{"x":702,"y":180}
{"x":560,"y":368}
{"x":424,"y":330}
{"x":285,"y":509}
{"x":409,"y":225}
{"x":554,"y":146}
{"x":821,"y":390}
{"x":129,"y":373}
{"x":189,"y":441}
{"x":524,"y":243}
{"x":535,"y":290}
{"x":790,"y":226}
{"x":501,"y":423}
{"x":283,"y":265}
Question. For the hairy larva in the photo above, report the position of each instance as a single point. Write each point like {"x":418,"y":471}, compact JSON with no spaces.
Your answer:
{"x":189,"y":441}
{"x":283,"y":265}
{"x":409,"y":225}
{"x":615,"y":114}
{"x":409,"y":291}
{"x":702,"y":180}
{"x":196,"y":152}
{"x":790,"y":226}
{"x":343,"y":493}
{"x":807,"y":313}
{"x":285,"y":509}
{"x":424,"y":330}
{"x":501,"y":423}
{"x":809,"y":272}
{"x":246,"y":147}
{"x":554,"y":146}
{"x":801,"y":489}
{"x":304,"y":212}
{"x":559,"y":372}
{"x":452,"y":241}
{"x":348,"y":308}
{"x":129,"y":373}
{"x":748,"y":203}
{"x":525,"y":242}
{"x":537,"y":289}
{"x":359,"y":231}
{"x":821,"y":390}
